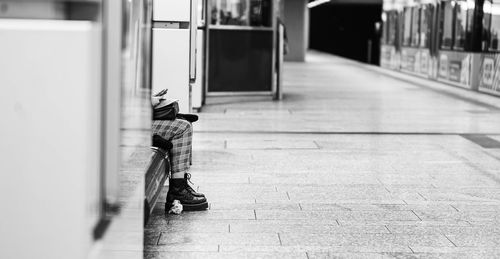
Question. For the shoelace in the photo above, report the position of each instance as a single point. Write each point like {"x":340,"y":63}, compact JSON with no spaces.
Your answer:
{"x":188,"y":177}
{"x":188,"y":180}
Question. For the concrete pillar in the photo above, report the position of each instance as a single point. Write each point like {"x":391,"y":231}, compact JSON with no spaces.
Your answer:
{"x":296,"y":20}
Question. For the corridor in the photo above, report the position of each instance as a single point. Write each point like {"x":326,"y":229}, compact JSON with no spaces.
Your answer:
{"x":355,"y":162}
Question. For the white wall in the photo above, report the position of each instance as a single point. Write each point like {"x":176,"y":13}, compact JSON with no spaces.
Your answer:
{"x":50,"y":137}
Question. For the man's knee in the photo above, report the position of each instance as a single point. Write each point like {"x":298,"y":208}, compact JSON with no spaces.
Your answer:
{"x":185,"y":127}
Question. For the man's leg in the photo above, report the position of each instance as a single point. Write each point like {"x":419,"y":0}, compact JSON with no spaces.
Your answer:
{"x":180,"y":133}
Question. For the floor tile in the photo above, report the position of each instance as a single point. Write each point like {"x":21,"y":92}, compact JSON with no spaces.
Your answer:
{"x":341,"y":168}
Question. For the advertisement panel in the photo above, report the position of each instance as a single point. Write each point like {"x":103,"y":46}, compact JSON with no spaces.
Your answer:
{"x":489,"y":74}
{"x":455,"y":67}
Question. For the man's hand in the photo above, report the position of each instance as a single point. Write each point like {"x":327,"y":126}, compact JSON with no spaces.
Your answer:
{"x":161,"y":93}
{"x":156,"y":100}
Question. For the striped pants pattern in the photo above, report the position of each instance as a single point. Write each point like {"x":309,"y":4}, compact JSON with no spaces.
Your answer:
{"x":180,"y":133}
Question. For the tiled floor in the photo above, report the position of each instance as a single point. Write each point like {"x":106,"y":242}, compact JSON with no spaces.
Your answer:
{"x":351,"y":164}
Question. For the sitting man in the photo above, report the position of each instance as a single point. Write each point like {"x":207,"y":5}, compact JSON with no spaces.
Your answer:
{"x":180,"y":133}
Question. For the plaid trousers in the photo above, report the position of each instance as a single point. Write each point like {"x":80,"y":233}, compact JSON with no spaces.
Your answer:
{"x":180,"y":133}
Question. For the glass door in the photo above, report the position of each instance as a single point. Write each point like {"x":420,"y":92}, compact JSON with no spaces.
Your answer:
{"x":241,"y":47}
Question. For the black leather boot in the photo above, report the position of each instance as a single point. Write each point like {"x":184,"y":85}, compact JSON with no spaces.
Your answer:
{"x":187,"y":179}
{"x":178,"y":191}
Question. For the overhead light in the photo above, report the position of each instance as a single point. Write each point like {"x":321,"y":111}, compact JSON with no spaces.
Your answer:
{"x":316,"y":3}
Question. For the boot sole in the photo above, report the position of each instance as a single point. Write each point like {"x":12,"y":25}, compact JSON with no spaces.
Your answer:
{"x":195,"y":207}
{"x":190,"y":207}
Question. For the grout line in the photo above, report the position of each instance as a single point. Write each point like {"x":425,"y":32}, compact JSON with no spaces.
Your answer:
{"x":158,"y":240}
{"x":341,"y":133}
{"x":416,"y":215}
{"x":390,"y":232}
{"x":411,"y":249}
{"x":276,"y":148}
{"x":425,"y":199}
{"x":450,"y":240}
{"x":279,"y":237}
{"x":255,"y":214}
